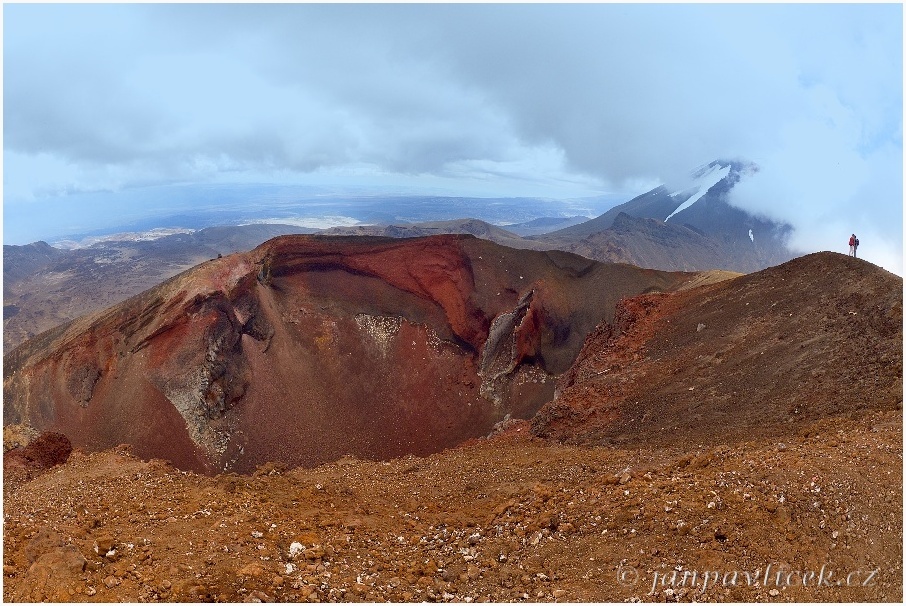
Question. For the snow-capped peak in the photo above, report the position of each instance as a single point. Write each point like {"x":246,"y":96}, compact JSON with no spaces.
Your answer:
{"x":704,"y":179}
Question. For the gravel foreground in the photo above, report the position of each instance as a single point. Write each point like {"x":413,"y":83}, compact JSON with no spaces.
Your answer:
{"x":815,"y":515}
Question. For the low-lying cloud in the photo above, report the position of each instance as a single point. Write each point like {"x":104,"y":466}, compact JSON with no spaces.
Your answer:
{"x":578,"y":98}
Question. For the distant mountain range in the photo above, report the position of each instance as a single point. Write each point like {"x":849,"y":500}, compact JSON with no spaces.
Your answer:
{"x":691,"y":227}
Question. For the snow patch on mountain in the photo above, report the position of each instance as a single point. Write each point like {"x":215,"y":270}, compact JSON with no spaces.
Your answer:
{"x":703,"y":182}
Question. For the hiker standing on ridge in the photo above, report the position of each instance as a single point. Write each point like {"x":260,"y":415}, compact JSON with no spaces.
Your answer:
{"x":853,"y":243}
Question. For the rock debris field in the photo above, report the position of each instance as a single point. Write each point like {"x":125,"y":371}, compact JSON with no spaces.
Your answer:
{"x":511,"y":518}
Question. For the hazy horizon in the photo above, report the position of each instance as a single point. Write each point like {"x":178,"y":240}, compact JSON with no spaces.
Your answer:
{"x":107,"y":108}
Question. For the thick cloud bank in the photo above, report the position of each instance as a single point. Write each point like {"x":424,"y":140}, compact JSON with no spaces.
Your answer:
{"x":561,"y":100}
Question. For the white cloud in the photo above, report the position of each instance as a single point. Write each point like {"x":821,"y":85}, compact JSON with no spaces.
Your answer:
{"x":520,"y":98}
{"x":817,"y":177}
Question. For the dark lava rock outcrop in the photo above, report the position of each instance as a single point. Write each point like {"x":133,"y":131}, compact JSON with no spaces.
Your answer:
{"x":307,"y":349}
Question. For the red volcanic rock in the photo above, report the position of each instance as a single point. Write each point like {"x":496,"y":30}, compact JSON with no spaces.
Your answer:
{"x":434,"y":269}
{"x":307,"y":349}
{"x":48,"y":449}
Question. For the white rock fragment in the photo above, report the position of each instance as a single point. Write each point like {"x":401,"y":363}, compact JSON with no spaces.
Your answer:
{"x":295,"y":549}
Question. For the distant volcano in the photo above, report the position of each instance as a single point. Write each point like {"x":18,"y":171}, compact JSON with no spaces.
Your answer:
{"x":684,"y":226}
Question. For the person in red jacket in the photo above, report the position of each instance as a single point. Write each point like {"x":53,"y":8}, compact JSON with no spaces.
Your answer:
{"x":852,"y":245}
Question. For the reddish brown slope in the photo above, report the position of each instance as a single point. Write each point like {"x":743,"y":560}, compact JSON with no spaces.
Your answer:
{"x":308,"y":348}
{"x":745,"y":487}
{"x":818,"y":336}
{"x":504,"y":520}
{"x":44,"y":287}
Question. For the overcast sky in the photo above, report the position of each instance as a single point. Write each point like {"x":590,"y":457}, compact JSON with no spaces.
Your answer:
{"x":547,"y":100}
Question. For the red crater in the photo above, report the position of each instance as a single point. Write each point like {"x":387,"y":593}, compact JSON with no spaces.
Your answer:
{"x":307,"y":349}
